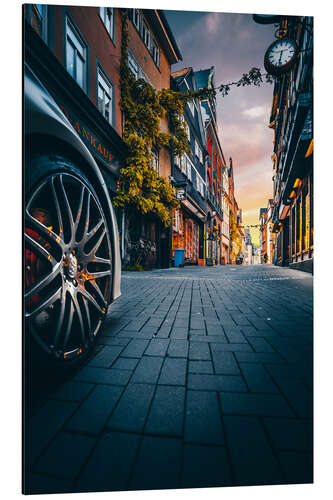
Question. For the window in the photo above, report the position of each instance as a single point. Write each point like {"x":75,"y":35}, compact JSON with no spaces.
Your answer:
{"x":156,"y":159}
{"x":107,"y":16}
{"x":76,"y":56}
{"x":155,"y":52}
{"x":145,"y":35}
{"x":196,"y":148}
{"x":37,"y":16}
{"x":135,"y":16}
{"x":135,"y":67}
{"x":104,"y":96}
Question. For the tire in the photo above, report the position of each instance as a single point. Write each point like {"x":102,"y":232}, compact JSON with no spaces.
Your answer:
{"x":68,"y":262}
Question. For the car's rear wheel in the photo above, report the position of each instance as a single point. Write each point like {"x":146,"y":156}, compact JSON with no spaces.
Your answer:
{"x":68,"y":260}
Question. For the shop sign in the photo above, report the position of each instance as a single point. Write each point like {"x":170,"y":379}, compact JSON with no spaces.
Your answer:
{"x":91,"y":140}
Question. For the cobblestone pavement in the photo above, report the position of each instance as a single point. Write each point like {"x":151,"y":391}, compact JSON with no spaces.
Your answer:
{"x":202,"y":377}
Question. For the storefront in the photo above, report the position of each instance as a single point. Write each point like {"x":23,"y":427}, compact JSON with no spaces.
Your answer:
{"x":188,"y":233}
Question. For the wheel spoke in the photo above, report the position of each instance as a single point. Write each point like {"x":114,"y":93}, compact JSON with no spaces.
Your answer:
{"x":40,"y":286}
{"x":98,"y":274}
{"x":69,"y":323}
{"x":45,"y":304}
{"x":97,"y":245}
{"x":57,"y":206}
{"x":98,"y":290}
{"x":39,"y":250}
{"x":87,"y":314}
{"x":44,"y":232}
{"x":91,"y":299}
{"x":67,"y":209}
{"x":79,"y":315}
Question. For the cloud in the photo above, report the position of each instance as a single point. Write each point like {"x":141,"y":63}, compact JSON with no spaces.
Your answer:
{"x":255,"y":112}
{"x":213,"y":22}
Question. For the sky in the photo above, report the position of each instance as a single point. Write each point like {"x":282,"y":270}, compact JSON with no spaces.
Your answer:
{"x":234,"y":43}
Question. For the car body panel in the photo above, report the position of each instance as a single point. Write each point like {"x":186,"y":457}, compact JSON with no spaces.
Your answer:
{"x":43,"y":117}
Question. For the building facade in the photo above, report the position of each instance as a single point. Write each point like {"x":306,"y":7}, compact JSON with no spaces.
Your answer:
{"x":291,"y":122}
{"x":189,"y":175}
{"x":216,"y":240}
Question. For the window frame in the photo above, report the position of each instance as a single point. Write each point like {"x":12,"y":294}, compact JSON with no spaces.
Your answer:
{"x":107,"y":83}
{"x":70,"y":25}
{"x":112,"y":30}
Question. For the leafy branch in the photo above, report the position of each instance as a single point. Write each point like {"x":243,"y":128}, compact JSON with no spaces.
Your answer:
{"x":253,"y":77}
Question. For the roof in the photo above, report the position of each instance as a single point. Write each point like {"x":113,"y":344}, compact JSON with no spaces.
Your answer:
{"x":163,"y":31}
{"x":181,"y":73}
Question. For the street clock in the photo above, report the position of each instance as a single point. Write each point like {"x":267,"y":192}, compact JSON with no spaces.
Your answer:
{"x":280,"y":56}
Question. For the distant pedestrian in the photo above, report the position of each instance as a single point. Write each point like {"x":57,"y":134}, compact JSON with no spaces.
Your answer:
{"x":265,"y":258}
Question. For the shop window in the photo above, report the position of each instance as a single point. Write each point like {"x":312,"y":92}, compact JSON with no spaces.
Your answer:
{"x":104,"y":96}
{"x":107,"y":15}
{"x":76,"y":56}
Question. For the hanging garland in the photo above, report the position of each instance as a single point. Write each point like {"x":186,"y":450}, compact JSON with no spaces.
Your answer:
{"x":140,"y":187}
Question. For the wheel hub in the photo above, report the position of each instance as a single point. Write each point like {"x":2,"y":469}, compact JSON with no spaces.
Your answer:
{"x":70,"y":264}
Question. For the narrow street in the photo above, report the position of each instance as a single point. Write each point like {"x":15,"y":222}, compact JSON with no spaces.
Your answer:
{"x":202,"y":376}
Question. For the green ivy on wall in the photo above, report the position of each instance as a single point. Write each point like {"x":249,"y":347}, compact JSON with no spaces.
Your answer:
{"x":143,"y":108}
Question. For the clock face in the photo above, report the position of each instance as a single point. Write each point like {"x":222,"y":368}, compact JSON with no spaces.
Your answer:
{"x":280,"y":56}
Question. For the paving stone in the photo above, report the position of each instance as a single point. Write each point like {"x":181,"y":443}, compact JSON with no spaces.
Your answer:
{"x":148,"y":370}
{"x":199,"y":351}
{"x":44,"y":425}
{"x":110,"y":465}
{"x":261,"y":345}
{"x":66,"y":454}
{"x":126,"y":363}
{"x":158,"y":465}
{"x":113,"y":340}
{"x":178,"y":348}
{"x":255,"y":404}
{"x":173,"y":371}
{"x":200,"y":367}
{"x":106,"y":356}
{"x":217,"y":347}
{"x":253,"y":461}
{"x":299,"y":397}
{"x":72,"y":391}
{"x":36,"y":484}
{"x":202,"y":407}
{"x":224,"y":363}
{"x":234,"y":335}
{"x":205,"y":467}
{"x":157,"y":347}
{"x":132,"y":409}
{"x":231,"y":383}
{"x":178,"y":333}
{"x":297,"y":467}
{"x":290,"y":434}
{"x":167,"y":411}
{"x":135,"y":348}
{"x":96,"y":375}
{"x":259,"y":357}
{"x":92,"y":415}
{"x":257,"y":378}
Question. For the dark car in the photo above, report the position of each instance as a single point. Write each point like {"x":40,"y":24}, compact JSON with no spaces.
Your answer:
{"x":71,"y":244}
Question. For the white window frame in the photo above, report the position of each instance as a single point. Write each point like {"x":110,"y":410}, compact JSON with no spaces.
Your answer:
{"x":135,"y":67}
{"x":74,"y":38}
{"x":156,"y":159}
{"x":145,"y":33}
{"x":103,"y":12}
{"x":104,"y":83}
{"x":191,"y":107}
{"x":136,"y":18}
{"x":155,"y":52}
